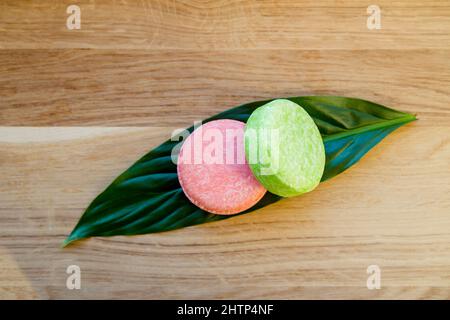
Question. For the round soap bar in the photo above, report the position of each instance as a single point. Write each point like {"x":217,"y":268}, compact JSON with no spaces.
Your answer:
{"x":213,"y":171}
{"x":284,"y":148}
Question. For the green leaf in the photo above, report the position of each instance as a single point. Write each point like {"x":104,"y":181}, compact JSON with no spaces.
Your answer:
{"x":147,"y":197}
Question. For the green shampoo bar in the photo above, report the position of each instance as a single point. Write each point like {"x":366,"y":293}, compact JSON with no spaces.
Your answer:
{"x":284,"y":148}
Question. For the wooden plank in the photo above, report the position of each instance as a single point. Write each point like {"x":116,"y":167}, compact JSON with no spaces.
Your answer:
{"x":391,"y":209}
{"x":78,"y":107}
{"x":149,"y":24}
{"x":175,"y":88}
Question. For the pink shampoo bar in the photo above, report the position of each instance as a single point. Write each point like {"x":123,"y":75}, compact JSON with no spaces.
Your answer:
{"x":213,"y":172}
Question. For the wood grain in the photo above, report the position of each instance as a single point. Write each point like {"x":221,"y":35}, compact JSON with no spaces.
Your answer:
{"x":153,"y":88}
{"x":385,"y":211}
{"x":78,"y":107}
{"x":225,"y":24}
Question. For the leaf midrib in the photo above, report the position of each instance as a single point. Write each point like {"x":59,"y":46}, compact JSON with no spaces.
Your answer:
{"x":382,"y":124}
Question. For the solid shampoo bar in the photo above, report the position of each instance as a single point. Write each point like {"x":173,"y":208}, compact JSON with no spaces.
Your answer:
{"x":284,"y":148}
{"x":213,"y":171}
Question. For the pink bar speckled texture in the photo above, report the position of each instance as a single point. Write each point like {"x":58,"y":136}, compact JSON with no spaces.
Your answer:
{"x":213,"y":172}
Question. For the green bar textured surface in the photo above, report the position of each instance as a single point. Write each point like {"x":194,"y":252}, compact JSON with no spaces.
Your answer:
{"x":284,"y":148}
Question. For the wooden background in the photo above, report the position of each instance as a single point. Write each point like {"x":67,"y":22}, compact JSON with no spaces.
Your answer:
{"x":79,"y":106}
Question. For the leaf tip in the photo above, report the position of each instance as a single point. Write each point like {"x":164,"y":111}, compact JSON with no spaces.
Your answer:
{"x":70,"y":239}
{"x":65,"y":243}
{"x":412,"y":117}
